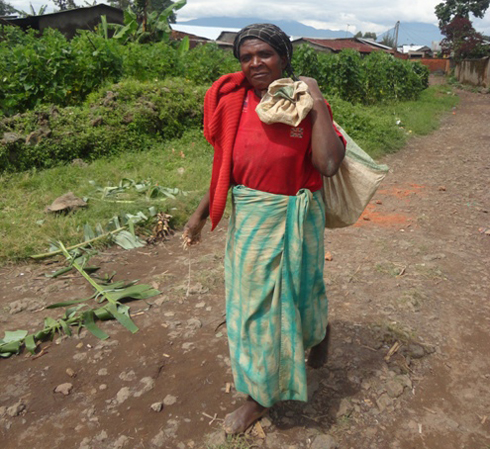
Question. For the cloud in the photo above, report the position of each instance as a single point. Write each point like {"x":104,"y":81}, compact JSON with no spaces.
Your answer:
{"x":354,"y":15}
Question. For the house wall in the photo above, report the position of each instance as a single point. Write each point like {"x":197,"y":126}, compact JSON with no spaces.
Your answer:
{"x":70,"y":21}
{"x":474,"y":71}
{"x":435,"y":64}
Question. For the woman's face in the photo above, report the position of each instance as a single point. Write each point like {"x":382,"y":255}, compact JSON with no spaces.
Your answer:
{"x":260,"y":63}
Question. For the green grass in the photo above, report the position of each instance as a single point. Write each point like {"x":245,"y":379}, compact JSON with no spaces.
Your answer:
{"x":375,"y":128}
{"x":23,"y":196}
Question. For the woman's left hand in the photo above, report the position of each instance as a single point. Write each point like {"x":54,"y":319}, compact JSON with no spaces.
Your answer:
{"x":312,"y":86}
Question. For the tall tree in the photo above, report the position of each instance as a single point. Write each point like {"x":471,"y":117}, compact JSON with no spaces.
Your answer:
{"x":449,"y":9}
{"x":462,"y":41}
{"x":63,"y":5}
{"x":6,"y":8}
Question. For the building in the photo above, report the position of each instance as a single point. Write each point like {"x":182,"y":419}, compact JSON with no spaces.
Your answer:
{"x":363,"y":46}
{"x":71,"y":20}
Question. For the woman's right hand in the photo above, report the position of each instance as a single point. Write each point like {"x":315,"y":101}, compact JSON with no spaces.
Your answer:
{"x":192,"y":230}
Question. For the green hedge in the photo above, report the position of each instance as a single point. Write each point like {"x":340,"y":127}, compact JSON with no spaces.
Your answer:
{"x":376,"y":78}
{"x":128,"y":116}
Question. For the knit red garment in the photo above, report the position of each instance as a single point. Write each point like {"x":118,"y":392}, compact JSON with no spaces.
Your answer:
{"x":222,"y":110}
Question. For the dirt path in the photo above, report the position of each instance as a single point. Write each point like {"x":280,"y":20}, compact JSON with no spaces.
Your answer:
{"x":414,"y":272}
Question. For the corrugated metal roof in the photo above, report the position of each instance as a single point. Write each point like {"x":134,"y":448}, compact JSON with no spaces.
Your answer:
{"x":341,"y":44}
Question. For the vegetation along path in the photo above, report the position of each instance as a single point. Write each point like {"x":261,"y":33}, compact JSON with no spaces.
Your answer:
{"x":410,"y":312}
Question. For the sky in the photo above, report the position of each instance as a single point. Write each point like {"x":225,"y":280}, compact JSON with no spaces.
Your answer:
{"x":346,"y":15}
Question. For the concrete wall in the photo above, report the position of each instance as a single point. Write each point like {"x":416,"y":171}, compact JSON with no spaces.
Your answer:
{"x":474,"y":71}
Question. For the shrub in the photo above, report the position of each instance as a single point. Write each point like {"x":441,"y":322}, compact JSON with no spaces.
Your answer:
{"x":128,"y":116}
{"x":50,"y":69}
{"x":376,"y":78}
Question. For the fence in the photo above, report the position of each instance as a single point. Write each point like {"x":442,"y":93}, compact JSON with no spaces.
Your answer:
{"x":474,"y":71}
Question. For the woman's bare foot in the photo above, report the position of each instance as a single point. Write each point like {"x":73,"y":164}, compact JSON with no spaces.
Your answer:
{"x":319,"y":353}
{"x":242,"y":418}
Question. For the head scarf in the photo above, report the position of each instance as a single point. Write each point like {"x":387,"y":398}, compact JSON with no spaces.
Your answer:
{"x":270,"y":34}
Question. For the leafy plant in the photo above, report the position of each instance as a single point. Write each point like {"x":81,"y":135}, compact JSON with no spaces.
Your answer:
{"x":77,"y":313}
{"x":154,"y":27}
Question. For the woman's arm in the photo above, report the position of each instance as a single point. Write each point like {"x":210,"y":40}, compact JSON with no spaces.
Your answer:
{"x":328,"y":150}
{"x":193,"y":228}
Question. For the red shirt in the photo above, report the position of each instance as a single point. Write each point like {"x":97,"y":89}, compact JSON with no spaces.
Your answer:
{"x":273,"y":158}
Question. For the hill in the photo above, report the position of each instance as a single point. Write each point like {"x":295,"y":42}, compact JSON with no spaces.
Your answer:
{"x":409,"y":32}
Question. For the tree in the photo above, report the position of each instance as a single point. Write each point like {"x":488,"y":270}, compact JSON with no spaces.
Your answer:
{"x":449,"y":9}
{"x":367,"y":35}
{"x":388,"y":40}
{"x":6,"y":8}
{"x":139,"y":6}
{"x":462,"y":40}
{"x":64,"y":5}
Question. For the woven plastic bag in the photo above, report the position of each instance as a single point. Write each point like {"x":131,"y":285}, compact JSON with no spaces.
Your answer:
{"x":285,"y":102}
{"x":349,"y":191}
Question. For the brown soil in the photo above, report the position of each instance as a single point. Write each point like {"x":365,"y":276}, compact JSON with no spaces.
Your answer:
{"x":413,"y":271}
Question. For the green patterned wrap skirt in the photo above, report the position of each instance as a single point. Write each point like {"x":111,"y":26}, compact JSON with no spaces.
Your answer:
{"x":276,"y":305}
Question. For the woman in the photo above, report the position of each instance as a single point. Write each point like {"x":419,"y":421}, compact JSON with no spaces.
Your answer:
{"x":275,"y":295}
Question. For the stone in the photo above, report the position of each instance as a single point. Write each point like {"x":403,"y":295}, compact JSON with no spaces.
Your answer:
{"x":383,"y":402}
{"x":159,"y":439}
{"x":127,"y":376}
{"x":120,"y":442}
{"x":103,"y":387}
{"x":148,"y":385}
{"x":102,"y":372}
{"x":405,"y":381}
{"x":123,"y":394}
{"x":193,"y":323}
{"x":416,"y":351}
{"x":70,"y":372}
{"x":324,"y":442}
{"x":64,"y":389}
{"x":394,"y":388}
{"x":66,"y":202}
{"x":265,"y":422}
{"x":216,"y":439}
{"x":102,"y":436}
{"x":16,"y":409}
{"x":157,"y":406}
{"x":169,"y":400}
{"x":345,"y":408}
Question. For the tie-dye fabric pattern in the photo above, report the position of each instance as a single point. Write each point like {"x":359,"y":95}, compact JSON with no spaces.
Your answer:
{"x":276,"y":305}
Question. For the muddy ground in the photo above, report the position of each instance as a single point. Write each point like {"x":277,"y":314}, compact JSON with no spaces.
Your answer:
{"x":412,"y":276}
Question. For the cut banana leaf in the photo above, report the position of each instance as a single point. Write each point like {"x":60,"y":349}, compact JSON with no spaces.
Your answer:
{"x":30,"y":343}
{"x":65,"y":327}
{"x":123,"y":317}
{"x":128,"y":241}
{"x":68,"y":303}
{"x":14,"y":336}
{"x":10,"y":348}
{"x":141,"y":291}
{"x":89,"y":322}
{"x":59,"y":272}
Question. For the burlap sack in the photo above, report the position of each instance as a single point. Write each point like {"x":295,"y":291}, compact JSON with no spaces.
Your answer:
{"x":286,"y":101}
{"x":349,"y":191}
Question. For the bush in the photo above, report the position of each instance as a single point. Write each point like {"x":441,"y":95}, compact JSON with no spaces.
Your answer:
{"x":50,"y":69}
{"x":128,"y":116}
{"x":376,"y":78}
